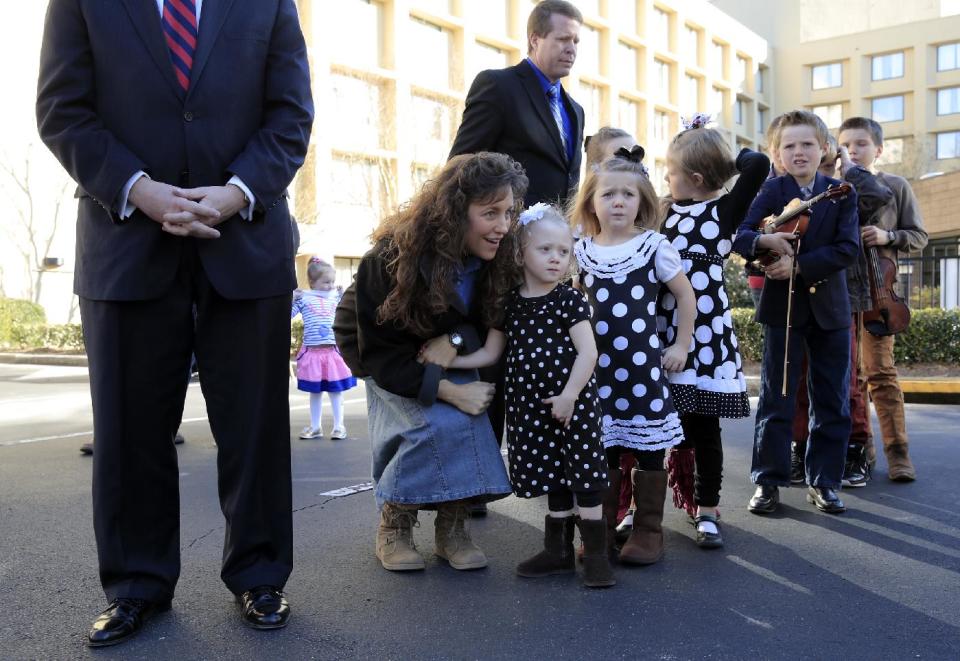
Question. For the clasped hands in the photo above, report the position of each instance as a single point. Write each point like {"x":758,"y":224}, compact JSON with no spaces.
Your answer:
{"x":187,"y":211}
{"x":782,"y":245}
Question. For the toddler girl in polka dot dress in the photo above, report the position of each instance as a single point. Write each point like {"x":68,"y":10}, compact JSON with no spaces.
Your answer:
{"x":624,"y":264}
{"x":700,"y":224}
{"x":553,"y":413}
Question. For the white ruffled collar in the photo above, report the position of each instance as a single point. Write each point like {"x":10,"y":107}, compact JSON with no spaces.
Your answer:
{"x":619,"y":260}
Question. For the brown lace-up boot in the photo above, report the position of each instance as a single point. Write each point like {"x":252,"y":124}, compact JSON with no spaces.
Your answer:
{"x":452,"y":539}
{"x":395,"y":547}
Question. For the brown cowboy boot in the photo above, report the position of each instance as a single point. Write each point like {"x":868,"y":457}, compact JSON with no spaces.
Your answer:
{"x":557,"y":554}
{"x":395,"y":547}
{"x":452,"y":541}
{"x":644,"y":546}
{"x":597,"y":572}
{"x":899,"y":466}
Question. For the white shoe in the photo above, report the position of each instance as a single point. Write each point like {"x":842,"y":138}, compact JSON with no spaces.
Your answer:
{"x":627,"y":523}
{"x":310,"y":432}
{"x":338,"y":434}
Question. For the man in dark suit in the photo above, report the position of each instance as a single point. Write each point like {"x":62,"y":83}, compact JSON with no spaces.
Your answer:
{"x":815,"y":314}
{"x":524,"y":112}
{"x":183,"y":125}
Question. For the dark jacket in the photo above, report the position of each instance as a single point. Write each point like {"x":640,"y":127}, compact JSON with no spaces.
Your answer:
{"x":872,"y":195}
{"x":830,"y":245}
{"x":387,"y":353}
{"x":109,"y":105}
{"x":506,"y":111}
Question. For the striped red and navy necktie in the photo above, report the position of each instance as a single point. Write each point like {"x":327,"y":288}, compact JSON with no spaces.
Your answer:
{"x":180,"y":30}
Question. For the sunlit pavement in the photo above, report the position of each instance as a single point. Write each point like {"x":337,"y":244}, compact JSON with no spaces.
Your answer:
{"x":881,"y":581}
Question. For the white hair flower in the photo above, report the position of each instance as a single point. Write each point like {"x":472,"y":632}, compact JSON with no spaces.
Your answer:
{"x":535,"y":212}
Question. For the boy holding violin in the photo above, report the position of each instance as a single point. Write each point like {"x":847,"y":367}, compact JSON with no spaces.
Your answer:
{"x":893,"y":225}
{"x":805,"y":309}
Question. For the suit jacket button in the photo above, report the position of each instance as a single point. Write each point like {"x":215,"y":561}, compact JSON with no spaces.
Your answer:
{"x":813,"y":290}
{"x":188,"y":116}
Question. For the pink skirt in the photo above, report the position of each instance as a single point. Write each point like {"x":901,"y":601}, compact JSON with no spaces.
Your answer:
{"x":321,"y":369}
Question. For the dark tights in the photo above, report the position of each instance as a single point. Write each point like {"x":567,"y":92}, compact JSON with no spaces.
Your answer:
{"x":702,"y":433}
{"x":562,"y":500}
{"x":647,"y":460}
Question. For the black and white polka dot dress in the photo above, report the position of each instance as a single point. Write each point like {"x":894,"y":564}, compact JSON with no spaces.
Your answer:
{"x":622,"y":284}
{"x":544,"y":456}
{"x":712,"y":381}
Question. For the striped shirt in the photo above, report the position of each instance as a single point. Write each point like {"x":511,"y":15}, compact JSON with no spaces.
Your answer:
{"x":317,"y":309}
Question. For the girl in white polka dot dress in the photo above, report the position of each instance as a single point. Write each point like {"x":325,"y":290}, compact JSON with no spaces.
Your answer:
{"x":552,"y":407}
{"x":624,"y":264}
{"x":700,"y":224}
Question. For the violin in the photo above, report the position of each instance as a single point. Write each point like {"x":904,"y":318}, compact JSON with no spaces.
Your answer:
{"x":890,"y":314}
{"x":794,"y":220}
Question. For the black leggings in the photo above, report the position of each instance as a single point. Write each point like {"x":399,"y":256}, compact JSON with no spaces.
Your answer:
{"x":647,"y":460}
{"x":702,"y":433}
{"x":561,"y":500}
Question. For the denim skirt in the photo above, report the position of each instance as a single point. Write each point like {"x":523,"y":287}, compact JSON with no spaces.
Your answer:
{"x":432,"y":454}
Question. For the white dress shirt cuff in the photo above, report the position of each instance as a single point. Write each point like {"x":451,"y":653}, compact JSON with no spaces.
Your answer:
{"x":124,"y":207}
{"x":247,"y":213}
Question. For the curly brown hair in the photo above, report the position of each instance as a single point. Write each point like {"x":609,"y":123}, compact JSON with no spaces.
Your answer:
{"x":431,"y":228}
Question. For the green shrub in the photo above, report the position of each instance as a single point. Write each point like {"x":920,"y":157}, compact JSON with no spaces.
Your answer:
{"x":16,"y":314}
{"x":735,"y":282}
{"x":933,"y":337}
{"x":296,"y":335}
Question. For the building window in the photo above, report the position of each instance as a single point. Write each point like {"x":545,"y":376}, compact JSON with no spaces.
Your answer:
{"x":358,"y":113}
{"x":625,"y":15}
{"x":491,"y":17}
{"x":741,"y":73}
{"x":892,"y":152}
{"x":715,"y":104}
{"x":948,"y":56}
{"x":758,"y":79}
{"x":433,"y":124}
{"x":662,"y":71}
{"x":691,"y":92}
{"x":827,"y":75}
{"x":435,"y":6}
{"x":761,"y":120}
{"x":738,"y":112}
{"x":588,"y":7}
{"x":661,"y":28}
{"x":626,"y":69}
{"x":591,"y":97}
{"x":430,"y":43}
{"x":887,"y":66}
{"x":948,"y":145}
{"x":588,"y":52}
{"x":486,"y":57}
{"x":948,"y":101}
{"x":628,"y":114}
{"x":691,"y":43}
{"x":355,"y":193}
{"x":360,"y":46}
{"x":716,"y":59}
{"x":887,"y":109}
{"x":661,"y":126}
{"x":832,"y":115}
{"x":660,"y":178}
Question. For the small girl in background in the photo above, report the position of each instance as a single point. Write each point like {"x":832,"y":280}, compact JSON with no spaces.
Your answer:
{"x":319,"y":365}
{"x":605,"y":142}
{"x":553,"y":412}
{"x":624,"y":264}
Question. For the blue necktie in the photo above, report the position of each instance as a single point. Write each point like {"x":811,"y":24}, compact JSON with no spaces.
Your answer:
{"x":180,"y":31}
{"x":554,"y":94}
{"x":806,"y":192}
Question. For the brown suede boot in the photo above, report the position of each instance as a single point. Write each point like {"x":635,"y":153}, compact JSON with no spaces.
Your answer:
{"x":645,"y":544}
{"x":557,"y":554}
{"x":611,"y":506}
{"x":395,"y":547}
{"x":452,"y":541}
{"x":597,"y":572}
{"x":899,"y":466}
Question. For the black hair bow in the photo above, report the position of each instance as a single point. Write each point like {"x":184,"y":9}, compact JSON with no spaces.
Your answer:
{"x":635,"y":153}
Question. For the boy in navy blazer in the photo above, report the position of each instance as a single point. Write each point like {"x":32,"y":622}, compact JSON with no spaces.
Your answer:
{"x":819,"y":320}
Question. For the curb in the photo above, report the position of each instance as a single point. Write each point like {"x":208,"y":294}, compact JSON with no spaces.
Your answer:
{"x":62,"y":360}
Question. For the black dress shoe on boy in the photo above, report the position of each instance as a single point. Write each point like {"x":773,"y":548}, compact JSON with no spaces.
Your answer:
{"x":264,"y":607}
{"x":122,"y":619}
{"x":825,"y":499}
{"x":765,"y":500}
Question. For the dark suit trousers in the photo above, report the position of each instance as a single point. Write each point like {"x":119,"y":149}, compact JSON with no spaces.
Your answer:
{"x":828,"y":385}
{"x":138,"y":353}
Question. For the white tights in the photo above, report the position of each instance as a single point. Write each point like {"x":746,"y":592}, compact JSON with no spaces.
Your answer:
{"x":336,"y":403}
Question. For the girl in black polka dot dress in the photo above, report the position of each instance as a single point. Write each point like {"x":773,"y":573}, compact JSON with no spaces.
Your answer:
{"x":624,"y":264}
{"x":700,"y":224}
{"x":553,"y":412}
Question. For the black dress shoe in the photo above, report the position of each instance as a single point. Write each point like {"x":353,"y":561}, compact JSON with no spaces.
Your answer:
{"x":264,"y":607}
{"x":825,"y":499}
{"x":765,"y":500}
{"x":122,"y":619}
{"x":706,"y":539}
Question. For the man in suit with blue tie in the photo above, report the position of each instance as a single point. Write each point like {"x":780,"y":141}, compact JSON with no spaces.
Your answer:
{"x":182,"y":122}
{"x":815,"y":315}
